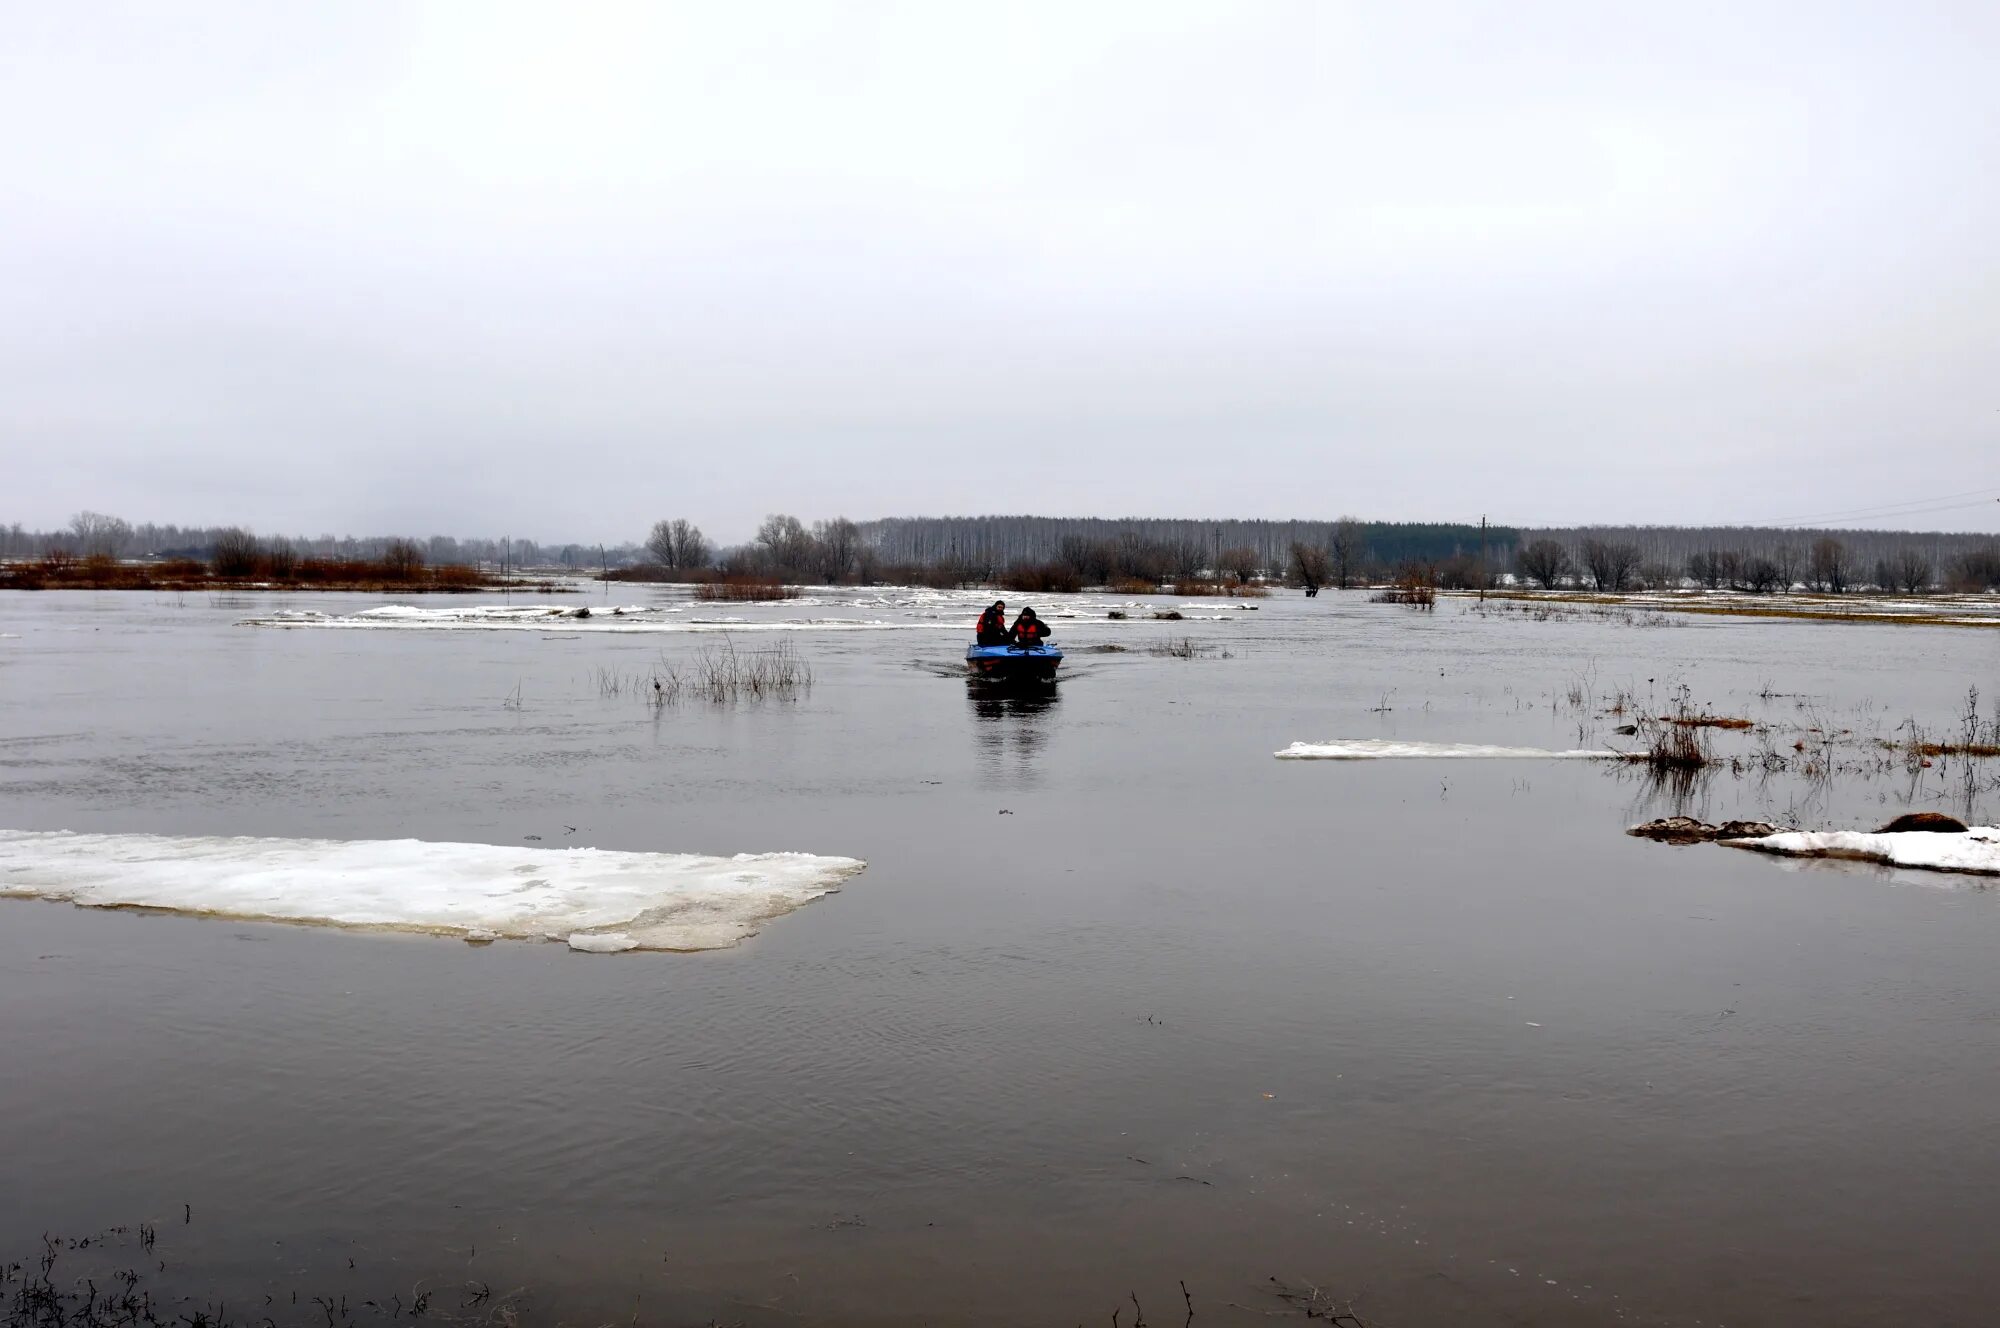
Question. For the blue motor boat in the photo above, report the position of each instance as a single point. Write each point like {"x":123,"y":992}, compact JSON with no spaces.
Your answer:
{"x":1013,"y":663}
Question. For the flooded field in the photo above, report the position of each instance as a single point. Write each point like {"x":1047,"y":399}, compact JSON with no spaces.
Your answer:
{"x":1123,"y":1013}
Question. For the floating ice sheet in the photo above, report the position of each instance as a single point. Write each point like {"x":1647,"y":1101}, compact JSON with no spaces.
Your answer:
{"x":504,"y":618}
{"x":1378,"y":749}
{"x":1976,"y":851}
{"x":596,"y":900}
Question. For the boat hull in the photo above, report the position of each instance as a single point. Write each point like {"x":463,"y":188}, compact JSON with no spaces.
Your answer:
{"x":1008,"y":664}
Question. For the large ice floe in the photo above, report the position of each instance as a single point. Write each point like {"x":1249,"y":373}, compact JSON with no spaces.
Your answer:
{"x":595,"y":900}
{"x":1975,"y":851}
{"x":1379,"y":749}
{"x":538,"y":618}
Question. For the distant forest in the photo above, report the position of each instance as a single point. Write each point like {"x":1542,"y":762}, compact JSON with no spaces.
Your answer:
{"x":97,"y":534}
{"x":1058,"y":552}
{"x":1001,"y":541}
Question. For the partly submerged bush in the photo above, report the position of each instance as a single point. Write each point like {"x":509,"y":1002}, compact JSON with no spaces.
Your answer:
{"x":718,"y":674}
{"x":1042,"y":578}
{"x":1415,"y":585}
{"x":744,"y":589}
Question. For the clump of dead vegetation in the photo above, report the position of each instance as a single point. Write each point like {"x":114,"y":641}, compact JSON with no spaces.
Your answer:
{"x":717,"y":675}
{"x":1707,"y":721}
{"x":1543,"y":609}
{"x":1976,"y":737}
{"x":1416,"y":585}
{"x":118,"y":1278}
{"x":1185,"y":647}
{"x":240,"y":561}
{"x":744,"y":590}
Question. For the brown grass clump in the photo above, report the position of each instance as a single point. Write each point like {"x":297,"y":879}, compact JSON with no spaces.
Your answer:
{"x":745,"y":590}
{"x":1414,"y":586}
{"x":1981,"y":749}
{"x":1677,"y":747}
{"x":1676,"y":743}
{"x":1708,"y":721}
{"x":1131,"y":585}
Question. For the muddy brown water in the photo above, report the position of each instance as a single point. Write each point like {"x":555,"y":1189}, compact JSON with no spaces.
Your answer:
{"x":1120,"y":1003}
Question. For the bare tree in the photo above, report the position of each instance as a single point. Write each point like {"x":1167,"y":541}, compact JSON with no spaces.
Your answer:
{"x":1310,"y":565}
{"x":690,"y":545}
{"x":233,"y":553}
{"x":1347,"y":546}
{"x":98,"y":535}
{"x":677,"y":543}
{"x":1544,"y":562}
{"x":1785,"y":557}
{"x":1908,"y":570}
{"x":835,"y":545}
{"x":784,"y":542}
{"x":660,"y":544}
{"x":281,"y":558}
{"x":1829,"y":565}
{"x":402,"y":559}
{"x":1760,"y":575}
{"x":1978,"y":568}
{"x":1610,"y":563}
{"x":1707,"y":569}
{"x":1240,"y":562}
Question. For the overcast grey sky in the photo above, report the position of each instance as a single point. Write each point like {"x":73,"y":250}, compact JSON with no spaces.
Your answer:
{"x":561,"y":270}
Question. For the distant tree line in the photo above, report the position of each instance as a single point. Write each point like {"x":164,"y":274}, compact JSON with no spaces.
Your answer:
{"x":1056,"y":552}
{"x":1765,"y":562}
{"x":96,"y":534}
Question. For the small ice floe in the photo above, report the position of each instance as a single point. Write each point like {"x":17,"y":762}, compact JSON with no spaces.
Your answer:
{"x":1975,"y":851}
{"x":1379,"y":749}
{"x":598,"y":900}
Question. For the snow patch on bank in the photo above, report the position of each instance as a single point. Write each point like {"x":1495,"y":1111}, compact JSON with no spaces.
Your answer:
{"x":1976,"y":851}
{"x":1379,"y":749}
{"x":596,"y":900}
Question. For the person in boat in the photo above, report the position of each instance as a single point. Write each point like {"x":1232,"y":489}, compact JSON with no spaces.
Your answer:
{"x":992,"y":630}
{"x":1030,"y":631}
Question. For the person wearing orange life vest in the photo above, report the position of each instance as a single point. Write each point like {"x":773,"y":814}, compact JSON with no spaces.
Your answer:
{"x":992,"y":630}
{"x":1030,"y":631}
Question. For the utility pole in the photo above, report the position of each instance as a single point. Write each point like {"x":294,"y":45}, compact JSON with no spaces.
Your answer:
{"x":1482,"y":557}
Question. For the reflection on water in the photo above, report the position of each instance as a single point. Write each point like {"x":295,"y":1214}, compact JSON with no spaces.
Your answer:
{"x":1014,"y":722}
{"x":1436,"y":1031}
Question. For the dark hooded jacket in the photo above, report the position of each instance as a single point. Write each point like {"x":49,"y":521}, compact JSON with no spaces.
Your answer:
{"x":1030,"y":631}
{"x":992,"y":629}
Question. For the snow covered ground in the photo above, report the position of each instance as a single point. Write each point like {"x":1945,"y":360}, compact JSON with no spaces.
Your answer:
{"x":595,"y":900}
{"x":1977,"y":850}
{"x":1378,"y":749}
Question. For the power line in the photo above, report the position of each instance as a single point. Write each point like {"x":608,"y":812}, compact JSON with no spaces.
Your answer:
{"x":1892,"y":509}
{"x":1896,"y":515}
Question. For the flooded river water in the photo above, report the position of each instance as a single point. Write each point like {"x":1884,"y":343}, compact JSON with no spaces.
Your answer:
{"x":1121,"y":1005}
